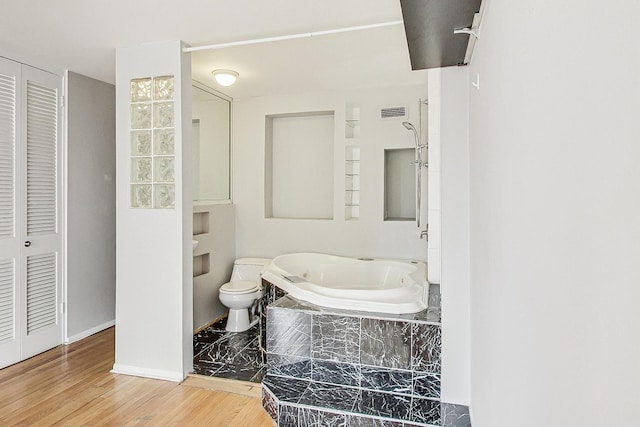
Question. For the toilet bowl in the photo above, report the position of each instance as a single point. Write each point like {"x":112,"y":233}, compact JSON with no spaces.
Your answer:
{"x":242,"y":292}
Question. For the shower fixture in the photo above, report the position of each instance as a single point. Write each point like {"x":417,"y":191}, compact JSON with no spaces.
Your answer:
{"x":419,"y":165}
{"x":410,"y":127}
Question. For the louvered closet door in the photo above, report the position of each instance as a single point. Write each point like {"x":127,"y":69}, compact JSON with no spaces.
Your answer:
{"x":41,"y":323}
{"x":9,"y":212}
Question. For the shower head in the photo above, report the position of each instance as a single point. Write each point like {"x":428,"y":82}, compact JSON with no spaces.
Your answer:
{"x":410,"y":127}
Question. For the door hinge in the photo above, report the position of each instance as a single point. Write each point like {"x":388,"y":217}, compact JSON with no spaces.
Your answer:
{"x":62,"y":101}
{"x":63,"y":307}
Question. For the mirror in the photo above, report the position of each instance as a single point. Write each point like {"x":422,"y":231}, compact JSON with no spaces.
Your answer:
{"x":211,"y":113}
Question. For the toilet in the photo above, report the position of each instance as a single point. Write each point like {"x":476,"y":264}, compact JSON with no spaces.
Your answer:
{"x":242,"y":292}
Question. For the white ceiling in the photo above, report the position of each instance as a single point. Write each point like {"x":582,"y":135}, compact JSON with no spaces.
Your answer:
{"x":81,"y":35}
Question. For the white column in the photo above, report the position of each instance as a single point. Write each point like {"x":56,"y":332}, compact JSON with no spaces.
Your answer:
{"x":454,"y":201}
{"x":153,"y":246}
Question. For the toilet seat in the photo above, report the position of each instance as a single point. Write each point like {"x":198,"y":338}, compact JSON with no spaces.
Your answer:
{"x":239,"y":287}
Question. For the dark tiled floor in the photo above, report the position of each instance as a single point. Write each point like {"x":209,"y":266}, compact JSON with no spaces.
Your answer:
{"x":233,"y":355}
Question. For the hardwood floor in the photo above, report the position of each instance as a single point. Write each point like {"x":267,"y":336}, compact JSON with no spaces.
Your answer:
{"x":72,"y":386}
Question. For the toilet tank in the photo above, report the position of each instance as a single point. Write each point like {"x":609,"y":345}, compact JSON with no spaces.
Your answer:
{"x":248,"y":269}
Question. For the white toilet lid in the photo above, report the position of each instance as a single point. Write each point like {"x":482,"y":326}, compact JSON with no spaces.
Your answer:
{"x":239,"y":287}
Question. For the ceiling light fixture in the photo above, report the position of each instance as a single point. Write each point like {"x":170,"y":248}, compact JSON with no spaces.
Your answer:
{"x":225,"y":77}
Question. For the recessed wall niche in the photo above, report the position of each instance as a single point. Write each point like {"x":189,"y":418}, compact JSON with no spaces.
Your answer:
{"x":399,"y":185}
{"x":299,"y":165}
{"x":152,"y":139}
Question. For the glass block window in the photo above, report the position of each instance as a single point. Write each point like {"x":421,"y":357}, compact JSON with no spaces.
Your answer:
{"x":152,"y":143}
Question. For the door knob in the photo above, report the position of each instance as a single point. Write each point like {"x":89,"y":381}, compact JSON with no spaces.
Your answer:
{"x":27,"y":244}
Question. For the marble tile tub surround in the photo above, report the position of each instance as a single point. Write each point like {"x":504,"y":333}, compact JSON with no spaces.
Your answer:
{"x":286,"y":401}
{"x":383,"y":368}
{"x":270,"y":295}
{"x":381,"y":354}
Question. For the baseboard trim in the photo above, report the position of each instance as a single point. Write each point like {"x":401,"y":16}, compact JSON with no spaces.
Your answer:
{"x":206,"y":325}
{"x":157,"y":374}
{"x":84,"y":334}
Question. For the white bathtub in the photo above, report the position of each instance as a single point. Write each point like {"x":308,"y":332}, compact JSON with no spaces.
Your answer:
{"x":375,"y":285}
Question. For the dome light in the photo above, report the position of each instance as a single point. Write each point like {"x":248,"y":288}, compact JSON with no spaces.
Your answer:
{"x":225,"y":77}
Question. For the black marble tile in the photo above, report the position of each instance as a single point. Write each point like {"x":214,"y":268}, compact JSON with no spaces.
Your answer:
{"x":258,"y":376}
{"x":425,"y":411}
{"x":434,"y":315}
{"x":426,"y":385}
{"x":383,"y":404}
{"x":455,"y":415}
{"x":357,"y":421}
{"x":199,"y":347}
{"x":205,"y":370}
{"x":231,"y":344}
{"x":270,"y":404}
{"x":329,"y":396}
{"x":308,"y":417}
{"x":288,"y":332}
{"x":434,"y":295}
{"x":389,"y":380}
{"x":243,"y":366}
{"x":420,"y":316}
{"x":335,"y":338}
{"x":386,"y":343}
{"x":287,"y":390}
{"x":214,"y":328}
{"x":427,"y":347}
{"x":287,"y":416}
{"x":293,"y":304}
{"x":227,"y":354}
{"x":209,"y":335}
{"x":289,"y":366}
{"x":210,"y":359}
{"x":335,"y":373}
{"x":222,"y":351}
{"x":262,"y":343}
{"x":271,"y":293}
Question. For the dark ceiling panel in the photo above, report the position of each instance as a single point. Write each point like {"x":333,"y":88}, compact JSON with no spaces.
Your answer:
{"x":429,"y":26}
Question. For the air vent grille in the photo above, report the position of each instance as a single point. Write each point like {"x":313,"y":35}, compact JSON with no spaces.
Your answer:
{"x":394,"y":112}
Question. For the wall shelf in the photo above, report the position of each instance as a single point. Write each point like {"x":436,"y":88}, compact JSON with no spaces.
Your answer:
{"x":352,"y":182}
{"x":352,"y":121}
{"x":200,"y":223}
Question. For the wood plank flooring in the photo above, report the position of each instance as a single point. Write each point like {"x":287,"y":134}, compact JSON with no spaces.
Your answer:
{"x":72,"y":386}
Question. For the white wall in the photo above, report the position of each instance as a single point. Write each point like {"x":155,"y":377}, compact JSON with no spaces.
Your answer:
{"x":91,"y":210}
{"x":454,"y":239}
{"x":367,"y":236}
{"x":219,"y":243}
{"x":154,"y":302}
{"x":554,"y":208}
{"x":433,"y":195}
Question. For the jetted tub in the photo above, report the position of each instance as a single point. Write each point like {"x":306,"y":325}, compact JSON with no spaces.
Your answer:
{"x":363,"y":284}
